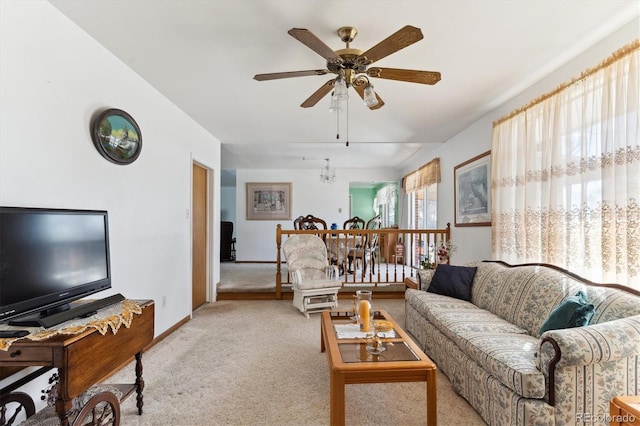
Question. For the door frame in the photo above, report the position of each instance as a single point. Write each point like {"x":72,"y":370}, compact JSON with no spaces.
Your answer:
{"x":209,"y":247}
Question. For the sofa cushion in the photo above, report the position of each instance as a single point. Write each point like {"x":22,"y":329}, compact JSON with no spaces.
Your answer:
{"x":510,"y":358}
{"x":574,"y":311}
{"x":453,"y":281}
{"x":501,"y":348}
{"x":522,"y":295}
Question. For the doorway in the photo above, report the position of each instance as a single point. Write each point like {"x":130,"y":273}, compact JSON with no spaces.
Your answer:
{"x":199,"y":236}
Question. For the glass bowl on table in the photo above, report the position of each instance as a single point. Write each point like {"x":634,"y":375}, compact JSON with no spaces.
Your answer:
{"x":375,"y":345}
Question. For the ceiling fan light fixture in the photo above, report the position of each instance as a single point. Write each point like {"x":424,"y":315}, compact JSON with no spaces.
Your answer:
{"x":351,"y":66}
{"x":370,"y":99}
{"x":335,"y":105}
{"x":341,"y":89}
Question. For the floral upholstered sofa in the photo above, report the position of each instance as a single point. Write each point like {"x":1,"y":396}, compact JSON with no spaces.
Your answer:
{"x":492,"y":349}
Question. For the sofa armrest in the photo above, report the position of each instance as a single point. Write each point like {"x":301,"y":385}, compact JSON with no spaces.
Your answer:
{"x":424,"y":278}
{"x":574,"y":348}
{"x":596,"y":343}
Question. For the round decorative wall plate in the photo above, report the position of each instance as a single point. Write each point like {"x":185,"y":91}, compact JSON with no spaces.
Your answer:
{"x":117,"y":136}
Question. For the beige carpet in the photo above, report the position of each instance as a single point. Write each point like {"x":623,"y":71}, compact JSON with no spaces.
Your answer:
{"x":259,"y":363}
{"x":248,"y":276}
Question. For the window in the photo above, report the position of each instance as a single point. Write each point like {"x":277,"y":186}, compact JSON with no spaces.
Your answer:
{"x":385,"y":204}
{"x":422,"y":214}
{"x":566,"y":181}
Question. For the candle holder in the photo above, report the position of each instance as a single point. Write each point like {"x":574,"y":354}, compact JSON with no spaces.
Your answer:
{"x":374,"y":344}
{"x":364,"y":313}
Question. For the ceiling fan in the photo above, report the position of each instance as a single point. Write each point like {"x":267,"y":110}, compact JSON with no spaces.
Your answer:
{"x":351,"y":65}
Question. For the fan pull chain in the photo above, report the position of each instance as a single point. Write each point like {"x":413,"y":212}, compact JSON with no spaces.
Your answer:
{"x":337,"y":123}
{"x":347,"y":144}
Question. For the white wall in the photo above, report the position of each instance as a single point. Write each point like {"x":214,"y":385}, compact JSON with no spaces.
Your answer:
{"x":53,"y":79}
{"x":476,"y":139}
{"x":228,"y":204}
{"x":256,"y":238}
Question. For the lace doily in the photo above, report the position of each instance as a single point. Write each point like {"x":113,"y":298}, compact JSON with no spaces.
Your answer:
{"x":110,"y":318}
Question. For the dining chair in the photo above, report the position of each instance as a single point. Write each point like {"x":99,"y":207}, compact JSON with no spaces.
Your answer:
{"x":309,"y":222}
{"x":366,"y":252}
{"x":354,"y":223}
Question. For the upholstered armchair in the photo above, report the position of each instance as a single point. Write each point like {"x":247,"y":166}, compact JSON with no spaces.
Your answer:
{"x":315,"y":283}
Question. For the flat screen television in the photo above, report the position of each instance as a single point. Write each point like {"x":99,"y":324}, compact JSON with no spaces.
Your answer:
{"x":50,"y":257}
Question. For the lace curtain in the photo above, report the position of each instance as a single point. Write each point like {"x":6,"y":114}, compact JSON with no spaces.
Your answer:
{"x":566,"y":175}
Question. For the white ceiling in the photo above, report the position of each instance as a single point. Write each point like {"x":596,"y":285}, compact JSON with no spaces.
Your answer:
{"x":203,"y":54}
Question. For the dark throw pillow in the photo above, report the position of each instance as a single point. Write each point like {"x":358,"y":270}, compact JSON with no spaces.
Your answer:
{"x":453,"y":281}
{"x":574,"y":311}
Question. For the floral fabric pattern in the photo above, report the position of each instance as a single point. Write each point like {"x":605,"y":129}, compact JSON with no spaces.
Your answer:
{"x":424,"y":278}
{"x":501,"y":348}
{"x":493,"y":354}
{"x":306,"y":257}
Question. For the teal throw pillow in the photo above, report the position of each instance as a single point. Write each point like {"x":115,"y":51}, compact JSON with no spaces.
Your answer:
{"x":574,"y":311}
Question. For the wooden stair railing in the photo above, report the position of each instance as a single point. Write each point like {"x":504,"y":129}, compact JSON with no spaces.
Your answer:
{"x":417,"y":244}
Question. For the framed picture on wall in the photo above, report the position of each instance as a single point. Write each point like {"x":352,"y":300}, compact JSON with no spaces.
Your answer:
{"x":268,"y":201}
{"x":472,"y":195}
{"x":116,"y":136}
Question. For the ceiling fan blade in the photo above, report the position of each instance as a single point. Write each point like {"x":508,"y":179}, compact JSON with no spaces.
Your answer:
{"x":360,"y":89}
{"x":318,"y":94}
{"x":402,"y":38}
{"x":288,"y":74}
{"x":307,"y":38}
{"x":412,"y":76}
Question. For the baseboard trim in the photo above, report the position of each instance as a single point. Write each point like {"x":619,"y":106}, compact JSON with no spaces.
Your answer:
{"x":167,"y":332}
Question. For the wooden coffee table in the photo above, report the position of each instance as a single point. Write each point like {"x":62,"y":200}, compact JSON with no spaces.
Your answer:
{"x":350,"y":363}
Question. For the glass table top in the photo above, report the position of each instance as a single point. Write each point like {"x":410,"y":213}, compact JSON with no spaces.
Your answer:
{"x":394,"y":351}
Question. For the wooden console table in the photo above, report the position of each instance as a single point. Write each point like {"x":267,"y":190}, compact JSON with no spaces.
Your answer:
{"x":86,"y":358}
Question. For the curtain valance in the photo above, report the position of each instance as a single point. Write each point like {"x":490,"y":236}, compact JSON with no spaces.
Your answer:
{"x":426,"y":175}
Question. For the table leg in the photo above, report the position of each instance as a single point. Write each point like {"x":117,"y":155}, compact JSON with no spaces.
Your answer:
{"x":337,"y":399}
{"x":139,"y":383}
{"x":432,"y":406}
{"x":64,"y":408}
{"x":322,"y":347}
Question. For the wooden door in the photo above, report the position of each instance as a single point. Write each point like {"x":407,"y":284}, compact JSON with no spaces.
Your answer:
{"x":199,"y":237}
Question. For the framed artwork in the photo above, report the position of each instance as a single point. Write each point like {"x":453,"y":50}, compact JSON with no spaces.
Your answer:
{"x":268,"y":201}
{"x":472,"y":195}
{"x":116,"y":136}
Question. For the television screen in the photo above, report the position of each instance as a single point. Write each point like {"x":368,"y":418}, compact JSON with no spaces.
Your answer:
{"x":49,"y":257}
